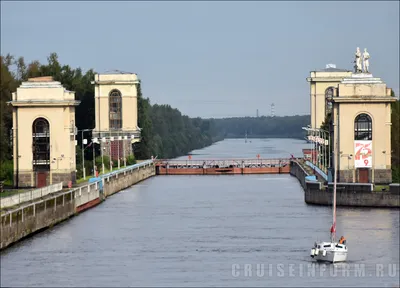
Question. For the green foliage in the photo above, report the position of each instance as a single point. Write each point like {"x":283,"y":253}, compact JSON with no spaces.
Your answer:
{"x":98,"y":162}
{"x":166,"y":133}
{"x":261,"y":127}
{"x":130,"y":160}
{"x":396,"y":174}
{"x":6,"y":170}
{"x":395,"y":140}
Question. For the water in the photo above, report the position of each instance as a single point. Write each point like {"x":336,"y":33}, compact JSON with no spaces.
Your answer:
{"x":209,"y":231}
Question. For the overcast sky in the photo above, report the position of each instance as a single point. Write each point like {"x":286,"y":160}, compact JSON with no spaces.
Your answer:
{"x":210,"y":59}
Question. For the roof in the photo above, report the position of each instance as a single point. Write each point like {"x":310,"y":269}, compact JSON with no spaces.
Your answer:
{"x":41,"y":79}
{"x":334,"y":70}
{"x":111,"y":72}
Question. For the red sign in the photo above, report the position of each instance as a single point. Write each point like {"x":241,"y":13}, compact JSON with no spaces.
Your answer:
{"x":363,"y":154}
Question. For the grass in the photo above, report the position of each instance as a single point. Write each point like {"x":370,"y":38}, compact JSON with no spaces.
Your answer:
{"x":11,"y":192}
{"x":82,"y":180}
{"x":380,"y":188}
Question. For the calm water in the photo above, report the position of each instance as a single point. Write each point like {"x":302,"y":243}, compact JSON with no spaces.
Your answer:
{"x":242,"y":230}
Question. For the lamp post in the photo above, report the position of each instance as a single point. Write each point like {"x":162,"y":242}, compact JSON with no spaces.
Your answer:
{"x":83,"y":152}
{"x":102,"y":153}
{"x":119,"y":142}
{"x":95,"y":141}
{"x":123,"y":143}
{"x":325,"y":162}
{"x":318,"y":160}
{"x":109,"y":152}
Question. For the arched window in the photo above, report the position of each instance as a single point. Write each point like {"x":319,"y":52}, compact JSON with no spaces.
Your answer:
{"x":41,"y":144}
{"x":363,"y":127}
{"x":115,"y":102}
{"x":328,"y":100}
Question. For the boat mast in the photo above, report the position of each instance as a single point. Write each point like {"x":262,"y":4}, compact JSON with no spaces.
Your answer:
{"x":335,"y":149}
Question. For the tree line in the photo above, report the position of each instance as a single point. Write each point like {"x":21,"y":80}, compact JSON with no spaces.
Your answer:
{"x":166,"y":132}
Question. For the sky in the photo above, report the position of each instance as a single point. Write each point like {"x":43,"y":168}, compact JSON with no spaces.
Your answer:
{"x":210,"y":59}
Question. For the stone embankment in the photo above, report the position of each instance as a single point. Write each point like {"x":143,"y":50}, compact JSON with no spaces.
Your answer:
{"x":347,"y":194}
{"x":47,"y":207}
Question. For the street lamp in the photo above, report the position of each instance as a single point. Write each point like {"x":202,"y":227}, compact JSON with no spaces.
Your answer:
{"x":318,"y":161}
{"x":102,"y":153}
{"x":83,"y":151}
{"x":94,"y":141}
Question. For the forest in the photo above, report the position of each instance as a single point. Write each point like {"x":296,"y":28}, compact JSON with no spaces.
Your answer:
{"x":166,"y":132}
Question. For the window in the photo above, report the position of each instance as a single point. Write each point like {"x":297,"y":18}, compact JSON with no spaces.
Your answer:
{"x":363,"y":127}
{"x":41,"y":144}
{"x":328,"y":100}
{"x":115,"y":102}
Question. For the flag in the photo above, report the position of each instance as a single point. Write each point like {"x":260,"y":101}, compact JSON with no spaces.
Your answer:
{"x":333,"y":228}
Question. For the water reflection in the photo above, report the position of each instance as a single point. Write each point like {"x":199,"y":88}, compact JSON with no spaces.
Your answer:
{"x":201,"y":230}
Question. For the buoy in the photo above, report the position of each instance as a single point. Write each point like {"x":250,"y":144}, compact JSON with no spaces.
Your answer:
{"x":312,"y":252}
{"x":324,"y":253}
{"x":316,"y":251}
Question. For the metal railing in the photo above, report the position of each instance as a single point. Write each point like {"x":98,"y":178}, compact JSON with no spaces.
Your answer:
{"x":127,"y":169}
{"x":29,"y":195}
{"x":223,"y":163}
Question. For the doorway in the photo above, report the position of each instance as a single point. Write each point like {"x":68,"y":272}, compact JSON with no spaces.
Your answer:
{"x":363,"y":175}
{"x":41,"y":179}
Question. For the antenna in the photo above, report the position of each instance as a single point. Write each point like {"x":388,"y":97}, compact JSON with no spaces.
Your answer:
{"x":272,"y":110}
{"x":257,"y":113}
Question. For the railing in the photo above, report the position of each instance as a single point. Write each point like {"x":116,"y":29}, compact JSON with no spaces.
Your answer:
{"x":127,"y":169}
{"x":29,"y":196}
{"x":318,"y":170}
{"x":223,"y":163}
{"x":76,"y":193}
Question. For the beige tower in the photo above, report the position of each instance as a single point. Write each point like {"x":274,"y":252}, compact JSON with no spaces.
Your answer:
{"x":322,"y":84}
{"x":43,"y":133}
{"x":362,"y":113}
{"x":116,"y":126}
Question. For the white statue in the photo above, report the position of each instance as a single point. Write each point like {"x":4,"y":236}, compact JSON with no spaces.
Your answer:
{"x":366,"y":60}
{"x":358,"y":67}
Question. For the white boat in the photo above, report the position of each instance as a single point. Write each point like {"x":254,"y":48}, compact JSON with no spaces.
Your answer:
{"x":331,"y":251}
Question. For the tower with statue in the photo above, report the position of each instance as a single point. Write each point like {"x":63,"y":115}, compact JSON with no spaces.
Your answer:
{"x":359,"y":104}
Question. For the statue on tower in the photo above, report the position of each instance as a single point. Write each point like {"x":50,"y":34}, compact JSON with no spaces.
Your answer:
{"x":366,"y":60}
{"x":357,"y":67}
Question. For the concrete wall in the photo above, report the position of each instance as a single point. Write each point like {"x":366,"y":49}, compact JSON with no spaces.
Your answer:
{"x":27,"y":219}
{"x":297,"y":171}
{"x":115,"y":182}
{"x":347,"y":194}
{"x":349,"y":197}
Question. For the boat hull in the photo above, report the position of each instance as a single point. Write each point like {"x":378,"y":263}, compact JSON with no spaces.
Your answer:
{"x":332,"y":256}
{"x":329,"y":252}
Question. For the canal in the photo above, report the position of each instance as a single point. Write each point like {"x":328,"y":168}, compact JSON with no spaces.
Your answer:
{"x":238,"y":230}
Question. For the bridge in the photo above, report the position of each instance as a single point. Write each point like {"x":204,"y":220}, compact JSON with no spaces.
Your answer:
{"x":222,"y":166}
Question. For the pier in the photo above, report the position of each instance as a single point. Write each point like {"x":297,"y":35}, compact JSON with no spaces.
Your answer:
{"x":222,"y":166}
